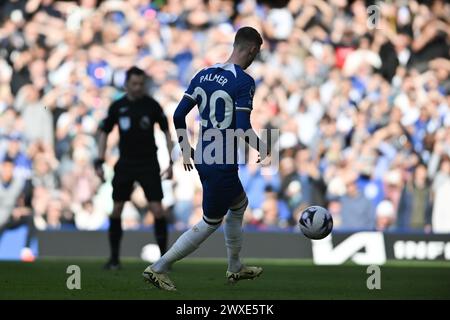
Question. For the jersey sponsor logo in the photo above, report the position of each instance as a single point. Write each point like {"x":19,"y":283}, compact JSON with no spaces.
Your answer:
{"x":124,"y":123}
{"x":144,"y":123}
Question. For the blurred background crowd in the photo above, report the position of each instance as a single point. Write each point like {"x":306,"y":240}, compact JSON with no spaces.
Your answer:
{"x":359,"y":90}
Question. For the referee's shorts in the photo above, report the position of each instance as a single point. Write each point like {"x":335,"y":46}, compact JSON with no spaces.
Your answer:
{"x":146,"y":174}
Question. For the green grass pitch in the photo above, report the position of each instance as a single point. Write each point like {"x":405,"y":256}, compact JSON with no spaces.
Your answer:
{"x":205,"y":279}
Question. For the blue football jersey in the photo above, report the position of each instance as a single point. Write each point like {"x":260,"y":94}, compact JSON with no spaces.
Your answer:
{"x":220,"y":91}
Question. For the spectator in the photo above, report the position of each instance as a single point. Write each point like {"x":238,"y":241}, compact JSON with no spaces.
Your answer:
{"x":275,"y":211}
{"x":86,"y":218}
{"x":254,"y":182}
{"x":10,"y":189}
{"x":82,"y":181}
{"x":348,"y":95}
{"x":22,"y":164}
{"x":43,"y":172}
{"x":290,"y":186}
{"x":441,"y":190}
{"x":15,"y":197}
{"x":38,"y":123}
{"x":312,"y":185}
{"x":357,"y":211}
{"x":419,"y":188}
{"x":385,"y":216}
{"x":54,"y":213}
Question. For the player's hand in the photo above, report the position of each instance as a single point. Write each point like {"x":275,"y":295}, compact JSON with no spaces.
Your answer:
{"x":188,"y":165}
{"x":265,"y":158}
{"x":98,"y":166}
{"x":263,"y":161}
{"x":187,"y":159}
{"x":168,"y":173}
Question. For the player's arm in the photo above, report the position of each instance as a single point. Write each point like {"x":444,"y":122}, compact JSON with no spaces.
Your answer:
{"x":244,"y":102}
{"x":104,"y":128}
{"x":179,"y":119}
{"x":164,"y":126}
{"x":169,"y":144}
{"x":250,"y":137}
{"x":102,"y":140}
{"x":243,"y":122}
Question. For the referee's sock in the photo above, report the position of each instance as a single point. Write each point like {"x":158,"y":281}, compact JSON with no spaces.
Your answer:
{"x":161,"y":234}
{"x":115,"y":236}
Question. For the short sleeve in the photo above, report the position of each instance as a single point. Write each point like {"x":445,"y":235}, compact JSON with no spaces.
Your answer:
{"x":189,"y":93}
{"x":244,"y":97}
{"x":161,"y":117}
{"x":108,"y":123}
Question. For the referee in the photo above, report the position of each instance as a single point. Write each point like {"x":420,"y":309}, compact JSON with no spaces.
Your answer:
{"x":135,"y":113}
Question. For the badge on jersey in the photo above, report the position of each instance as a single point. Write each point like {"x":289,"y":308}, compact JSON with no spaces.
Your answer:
{"x":251,"y":93}
{"x":124,"y":123}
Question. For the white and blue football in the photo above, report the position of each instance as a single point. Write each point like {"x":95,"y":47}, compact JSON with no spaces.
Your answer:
{"x":316,"y":222}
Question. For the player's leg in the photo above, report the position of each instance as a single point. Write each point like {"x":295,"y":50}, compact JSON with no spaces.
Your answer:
{"x":26,"y":254}
{"x":9,"y":224}
{"x":31,"y":233}
{"x":187,"y":243}
{"x":115,"y":235}
{"x":160,"y":225}
{"x":150,"y":182}
{"x":233,"y":239}
{"x":13,"y":223}
{"x":122,"y":186}
{"x":233,"y":232}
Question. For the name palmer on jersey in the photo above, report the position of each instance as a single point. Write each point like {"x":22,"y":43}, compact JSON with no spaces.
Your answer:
{"x":214,"y":77}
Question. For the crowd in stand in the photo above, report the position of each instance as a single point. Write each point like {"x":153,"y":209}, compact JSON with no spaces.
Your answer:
{"x":359,"y":91}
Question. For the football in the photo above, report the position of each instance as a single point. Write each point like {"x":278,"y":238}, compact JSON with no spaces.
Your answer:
{"x":316,"y":222}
